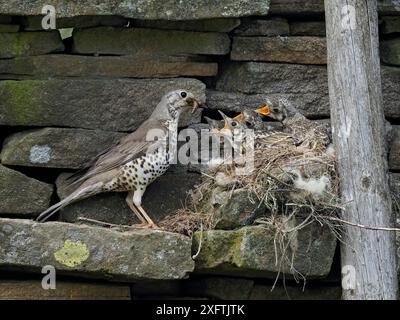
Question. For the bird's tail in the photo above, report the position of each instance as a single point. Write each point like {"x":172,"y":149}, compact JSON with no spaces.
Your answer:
{"x":79,"y":194}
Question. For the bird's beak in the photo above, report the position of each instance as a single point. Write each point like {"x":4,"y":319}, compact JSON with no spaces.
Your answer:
{"x":239,"y":117}
{"x":225,"y":118}
{"x":264,"y":110}
{"x":195,"y":104}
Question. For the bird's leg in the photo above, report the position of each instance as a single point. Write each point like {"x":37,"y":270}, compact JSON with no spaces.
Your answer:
{"x":135,"y":210}
{"x":150,"y":222}
{"x":137,"y":201}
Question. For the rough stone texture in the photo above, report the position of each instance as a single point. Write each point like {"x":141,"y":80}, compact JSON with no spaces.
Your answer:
{"x":124,"y":41}
{"x":56,"y":147}
{"x":60,"y":65}
{"x":233,"y":210}
{"x":206,"y":25}
{"x":33,"y":23}
{"x":389,"y":7}
{"x":29,"y":43}
{"x":164,"y":196}
{"x":307,"y":28}
{"x":21,"y":195}
{"x":65,"y":290}
{"x":262,"y":292}
{"x":249,"y":252}
{"x":394,"y":158}
{"x":306,"y":86}
{"x":313,"y":7}
{"x":114,"y":105}
{"x":289,"y":7}
{"x":308,"y":103}
{"x":143,"y":9}
{"x":390,"y":25}
{"x":390,"y":51}
{"x":9,"y":28}
{"x":304,"y":50}
{"x":94,"y":252}
{"x":269,"y":27}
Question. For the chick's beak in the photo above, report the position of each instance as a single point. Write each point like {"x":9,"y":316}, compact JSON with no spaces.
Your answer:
{"x":264,"y":110}
{"x":239,"y":117}
{"x":226,"y":122}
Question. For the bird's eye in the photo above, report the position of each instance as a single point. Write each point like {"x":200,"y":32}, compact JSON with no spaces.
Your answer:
{"x":234,"y":124}
{"x":183,"y":94}
{"x":275,"y":110}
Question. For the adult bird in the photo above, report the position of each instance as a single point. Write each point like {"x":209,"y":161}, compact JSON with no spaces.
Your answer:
{"x":305,"y":132}
{"x":136,"y":160}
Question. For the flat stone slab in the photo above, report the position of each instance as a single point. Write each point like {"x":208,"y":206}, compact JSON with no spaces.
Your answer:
{"x":9,"y":28}
{"x":56,"y":147}
{"x":94,"y":252}
{"x":303,"y":50}
{"x":34,"y":23}
{"x":113,"y":105}
{"x":250,"y":252}
{"x":314,"y":7}
{"x":204,"y":25}
{"x":390,"y":51}
{"x":306,"y":86}
{"x":143,"y":9}
{"x":59,"y":65}
{"x":265,"y":27}
{"x":29,"y":43}
{"x":128,"y":41}
{"x":65,"y":290}
{"x":390,"y":24}
{"x":308,"y":28}
{"x":22,"y":195}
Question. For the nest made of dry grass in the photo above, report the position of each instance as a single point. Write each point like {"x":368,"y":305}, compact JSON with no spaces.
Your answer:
{"x":277,"y":164}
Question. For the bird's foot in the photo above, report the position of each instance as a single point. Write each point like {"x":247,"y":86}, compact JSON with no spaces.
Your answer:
{"x":145,"y":226}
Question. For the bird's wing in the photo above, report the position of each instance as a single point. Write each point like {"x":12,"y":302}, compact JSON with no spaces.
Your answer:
{"x":128,"y":148}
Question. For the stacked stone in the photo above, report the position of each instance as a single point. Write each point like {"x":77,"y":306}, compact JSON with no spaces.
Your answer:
{"x":67,"y":94}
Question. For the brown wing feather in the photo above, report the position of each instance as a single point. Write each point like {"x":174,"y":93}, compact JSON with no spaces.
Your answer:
{"x":128,"y":148}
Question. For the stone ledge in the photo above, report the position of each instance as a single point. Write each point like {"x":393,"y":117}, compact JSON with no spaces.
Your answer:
{"x":94,"y":252}
{"x":143,"y":9}
{"x":65,"y":290}
{"x":112,"y":104}
{"x":62,"y":65}
{"x":128,"y":41}
{"x":29,"y":43}
{"x":305,"y":85}
{"x":22,"y":195}
{"x":249,"y":252}
{"x":304,"y":50}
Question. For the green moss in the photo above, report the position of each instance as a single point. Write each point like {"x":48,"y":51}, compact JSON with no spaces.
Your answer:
{"x":20,"y":101}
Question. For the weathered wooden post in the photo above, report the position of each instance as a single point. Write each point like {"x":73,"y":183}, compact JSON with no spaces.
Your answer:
{"x":368,"y":257}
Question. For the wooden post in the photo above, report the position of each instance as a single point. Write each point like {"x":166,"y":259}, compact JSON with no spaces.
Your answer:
{"x":368,"y":257}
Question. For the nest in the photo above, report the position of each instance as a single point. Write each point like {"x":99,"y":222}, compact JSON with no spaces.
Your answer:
{"x":288,"y":179}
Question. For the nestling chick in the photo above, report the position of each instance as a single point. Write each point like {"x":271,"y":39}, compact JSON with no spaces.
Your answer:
{"x":305,"y":132}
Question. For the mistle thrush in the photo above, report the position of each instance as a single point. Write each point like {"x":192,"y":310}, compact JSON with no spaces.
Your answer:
{"x":136,"y":160}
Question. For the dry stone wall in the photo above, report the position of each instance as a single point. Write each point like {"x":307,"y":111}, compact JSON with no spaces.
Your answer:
{"x":67,"y":94}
